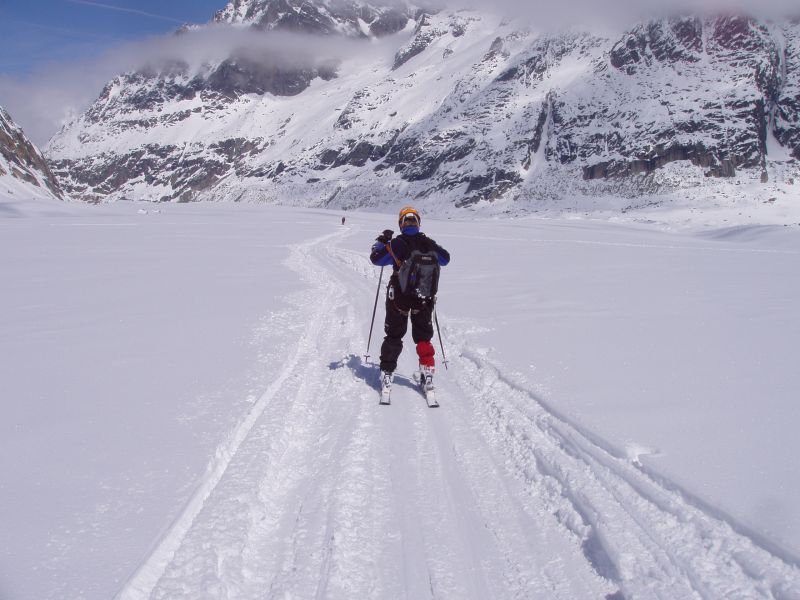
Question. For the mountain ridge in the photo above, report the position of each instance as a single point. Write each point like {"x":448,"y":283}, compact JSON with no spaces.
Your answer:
{"x":457,"y":105}
{"x":22,"y":165}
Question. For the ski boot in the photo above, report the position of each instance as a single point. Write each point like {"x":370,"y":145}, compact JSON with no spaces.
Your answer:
{"x":424,"y":377}
{"x":386,"y":386}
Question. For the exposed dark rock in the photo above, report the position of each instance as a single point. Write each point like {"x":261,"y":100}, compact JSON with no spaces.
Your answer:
{"x":349,"y":115}
{"x":328,"y":158}
{"x":360,"y":154}
{"x":458,"y":27}
{"x":146,"y":91}
{"x":99,"y":176}
{"x":543,"y":55}
{"x":235,"y":77}
{"x":490,"y":186}
{"x":356,"y":154}
{"x":417,"y":160}
{"x":738,"y":33}
{"x":787,"y":99}
{"x":497,"y":45}
{"x":290,"y":15}
{"x":538,"y":132}
{"x":24,"y":159}
{"x":235,"y":149}
{"x":196,"y":175}
{"x":389,"y":22}
{"x":628,"y":52}
{"x":689,"y":33}
{"x":318,"y":18}
{"x":425,"y":34}
{"x":716,"y":165}
{"x":673,"y":40}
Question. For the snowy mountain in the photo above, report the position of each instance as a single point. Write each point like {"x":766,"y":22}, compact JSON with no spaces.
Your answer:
{"x":349,"y":18}
{"x":457,"y":107}
{"x":24,"y":172}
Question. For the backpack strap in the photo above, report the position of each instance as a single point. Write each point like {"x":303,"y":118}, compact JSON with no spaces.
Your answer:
{"x":389,"y":250}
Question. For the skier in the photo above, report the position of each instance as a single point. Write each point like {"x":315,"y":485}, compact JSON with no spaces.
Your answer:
{"x":342,"y":220}
{"x":411,"y":303}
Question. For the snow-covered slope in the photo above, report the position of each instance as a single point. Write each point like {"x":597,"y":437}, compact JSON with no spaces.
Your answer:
{"x":187,"y":412}
{"x":455,"y":108}
{"x":24,"y":173}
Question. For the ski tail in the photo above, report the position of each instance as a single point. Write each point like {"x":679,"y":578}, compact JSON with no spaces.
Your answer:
{"x":424,"y":378}
{"x":430,"y":398}
{"x":386,"y":387}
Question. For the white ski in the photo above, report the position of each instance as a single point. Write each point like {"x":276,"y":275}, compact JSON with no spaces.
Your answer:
{"x":430,"y":398}
{"x":386,"y":396}
{"x":386,"y":388}
{"x":425,"y":383}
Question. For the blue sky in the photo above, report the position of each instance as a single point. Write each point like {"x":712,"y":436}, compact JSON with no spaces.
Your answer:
{"x":35,"y":33}
{"x":56,"y":55}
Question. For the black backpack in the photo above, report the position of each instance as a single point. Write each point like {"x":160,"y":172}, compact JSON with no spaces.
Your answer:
{"x":419,"y":275}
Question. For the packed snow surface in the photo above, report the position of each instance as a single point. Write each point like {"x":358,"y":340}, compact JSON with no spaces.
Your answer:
{"x":188,"y":413}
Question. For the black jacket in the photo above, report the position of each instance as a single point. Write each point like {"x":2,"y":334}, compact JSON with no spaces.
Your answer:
{"x":402,"y":246}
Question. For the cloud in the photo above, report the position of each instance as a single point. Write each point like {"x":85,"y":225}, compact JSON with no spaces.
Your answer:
{"x":40,"y":103}
{"x":546,"y":14}
{"x":198,"y":47}
{"x":54,"y":94}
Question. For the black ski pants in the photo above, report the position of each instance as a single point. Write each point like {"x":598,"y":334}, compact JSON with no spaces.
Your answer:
{"x":396,"y":325}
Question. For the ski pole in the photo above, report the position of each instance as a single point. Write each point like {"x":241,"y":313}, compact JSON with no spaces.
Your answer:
{"x":439,"y":332}
{"x":374,"y":308}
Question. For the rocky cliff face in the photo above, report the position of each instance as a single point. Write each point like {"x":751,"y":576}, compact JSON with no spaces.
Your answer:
{"x":342,"y":17}
{"x":721,"y":125}
{"x":452,"y":105}
{"x":22,"y":162}
{"x":785,"y":107}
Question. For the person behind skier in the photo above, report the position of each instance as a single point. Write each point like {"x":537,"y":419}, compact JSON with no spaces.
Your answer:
{"x":399,"y":307}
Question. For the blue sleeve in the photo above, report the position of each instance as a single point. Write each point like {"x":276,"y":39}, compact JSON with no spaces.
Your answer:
{"x":442,"y":254}
{"x":379,"y":256}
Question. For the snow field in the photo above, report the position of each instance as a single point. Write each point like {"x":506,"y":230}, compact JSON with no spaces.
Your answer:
{"x":635,"y":528}
{"x":330,"y":496}
{"x":515,"y":488}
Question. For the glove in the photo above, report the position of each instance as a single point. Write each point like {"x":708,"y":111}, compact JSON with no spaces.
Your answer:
{"x":386,"y":236}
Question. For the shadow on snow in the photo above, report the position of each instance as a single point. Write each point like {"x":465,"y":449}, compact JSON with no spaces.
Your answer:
{"x":369,"y":373}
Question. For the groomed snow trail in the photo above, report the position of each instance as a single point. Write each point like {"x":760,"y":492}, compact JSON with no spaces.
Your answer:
{"x":321,"y":493}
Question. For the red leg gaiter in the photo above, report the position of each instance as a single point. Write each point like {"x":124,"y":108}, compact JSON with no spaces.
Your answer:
{"x":425,"y":352}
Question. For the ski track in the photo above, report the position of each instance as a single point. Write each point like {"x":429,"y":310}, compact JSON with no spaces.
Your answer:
{"x":321,"y":493}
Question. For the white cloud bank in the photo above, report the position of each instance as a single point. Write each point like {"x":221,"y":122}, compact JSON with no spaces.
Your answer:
{"x":547,"y":14}
{"x":43,"y":101}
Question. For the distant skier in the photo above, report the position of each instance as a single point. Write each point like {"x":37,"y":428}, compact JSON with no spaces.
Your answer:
{"x":342,"y":220}
{"x":415,"y":260}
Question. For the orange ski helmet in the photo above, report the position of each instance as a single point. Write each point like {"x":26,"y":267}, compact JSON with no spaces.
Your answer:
{"x":409,"y":216}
